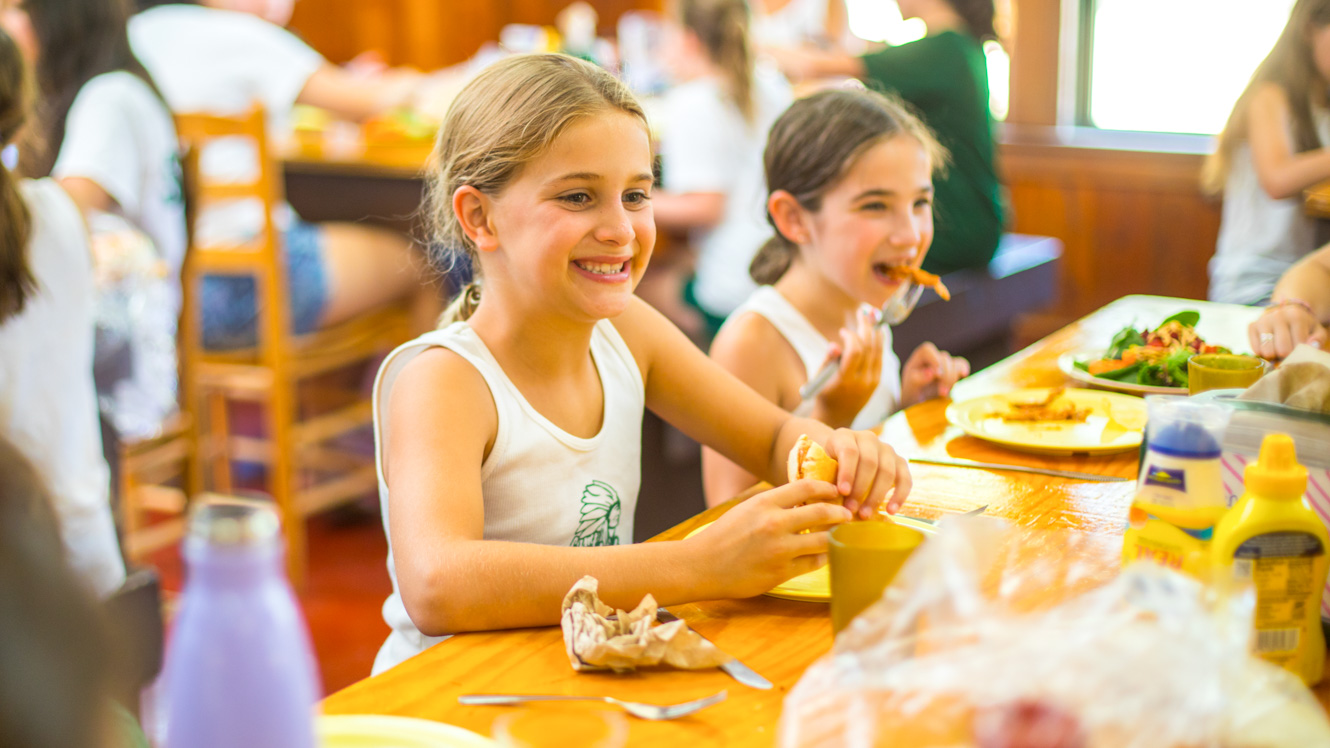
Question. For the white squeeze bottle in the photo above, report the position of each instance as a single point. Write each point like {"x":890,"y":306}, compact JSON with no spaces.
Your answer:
{"x":1274,"y":540}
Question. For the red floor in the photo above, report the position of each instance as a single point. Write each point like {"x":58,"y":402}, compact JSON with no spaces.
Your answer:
{"x":348,"y":581}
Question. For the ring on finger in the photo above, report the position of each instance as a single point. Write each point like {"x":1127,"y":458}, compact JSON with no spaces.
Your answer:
{"x":1266,"y":337}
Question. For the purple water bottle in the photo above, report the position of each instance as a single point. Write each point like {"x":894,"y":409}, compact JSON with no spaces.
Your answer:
{"x":239,"y":666}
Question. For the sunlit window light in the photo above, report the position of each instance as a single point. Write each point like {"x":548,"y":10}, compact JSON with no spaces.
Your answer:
{"x":1177,"y":65}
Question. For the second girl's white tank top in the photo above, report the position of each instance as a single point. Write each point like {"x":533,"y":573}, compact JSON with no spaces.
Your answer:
{"x":812,"y":349}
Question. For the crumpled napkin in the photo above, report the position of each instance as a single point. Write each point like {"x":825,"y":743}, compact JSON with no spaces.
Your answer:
{"x":599,"y":638}
{"x":1302,"y":381}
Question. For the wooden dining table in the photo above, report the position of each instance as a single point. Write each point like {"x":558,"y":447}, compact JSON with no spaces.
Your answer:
{"x":781,"y":638}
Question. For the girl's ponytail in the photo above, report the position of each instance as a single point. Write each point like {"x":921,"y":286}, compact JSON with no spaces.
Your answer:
{"x":17,"y":283}
{"x":722,"y":27}
{"x":462,"y":306}
{"x":772,"y":260}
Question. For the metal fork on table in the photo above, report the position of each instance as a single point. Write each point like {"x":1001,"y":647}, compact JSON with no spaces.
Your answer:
{"x":637,"y":709}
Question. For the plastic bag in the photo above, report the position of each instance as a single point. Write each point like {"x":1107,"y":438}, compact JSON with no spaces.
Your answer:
{"x":990,"y":628}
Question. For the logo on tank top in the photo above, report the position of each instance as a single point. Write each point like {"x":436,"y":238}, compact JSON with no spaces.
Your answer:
{"x":599,"y":524}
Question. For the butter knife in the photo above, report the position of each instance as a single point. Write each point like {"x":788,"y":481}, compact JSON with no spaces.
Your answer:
{"x":951,"y":462}
{"x":735,"y":669}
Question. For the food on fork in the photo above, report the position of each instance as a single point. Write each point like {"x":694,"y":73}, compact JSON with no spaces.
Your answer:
{"x":809,"y":460}
{"x":921,"y":277}
{"x":1040,"y":411}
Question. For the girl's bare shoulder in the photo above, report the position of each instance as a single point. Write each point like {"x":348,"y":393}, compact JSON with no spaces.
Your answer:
{"x":439,"y":380}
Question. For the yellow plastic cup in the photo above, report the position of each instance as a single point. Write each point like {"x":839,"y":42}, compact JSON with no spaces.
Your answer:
{"x":865,"y":557}
{"x":1222,"y":371}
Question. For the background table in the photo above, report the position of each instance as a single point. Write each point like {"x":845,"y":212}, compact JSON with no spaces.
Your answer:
{"x":779,"y":638}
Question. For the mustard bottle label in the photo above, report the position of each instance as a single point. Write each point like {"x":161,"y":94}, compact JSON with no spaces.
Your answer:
{"x":1281,"y":565}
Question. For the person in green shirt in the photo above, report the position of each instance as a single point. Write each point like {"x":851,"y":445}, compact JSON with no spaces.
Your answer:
{"x":944,"y":76}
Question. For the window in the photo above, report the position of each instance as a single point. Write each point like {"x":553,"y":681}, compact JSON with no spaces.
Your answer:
{"x":1170,"y":65}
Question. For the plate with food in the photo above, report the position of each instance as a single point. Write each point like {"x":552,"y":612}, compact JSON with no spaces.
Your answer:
{"x":1151,"y":361}
{"x":1055,"y":420}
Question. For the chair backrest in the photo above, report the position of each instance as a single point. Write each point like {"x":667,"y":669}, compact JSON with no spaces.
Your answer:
{"x":221,"y":173}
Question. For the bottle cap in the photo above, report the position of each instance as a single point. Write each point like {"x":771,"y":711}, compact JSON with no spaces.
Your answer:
{"x":1276,"y":474}
{"x":234,"y":522}
{"x":1186,"y":428}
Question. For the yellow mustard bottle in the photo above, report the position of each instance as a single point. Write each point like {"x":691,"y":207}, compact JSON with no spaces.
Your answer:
{"x":1273,"y":539}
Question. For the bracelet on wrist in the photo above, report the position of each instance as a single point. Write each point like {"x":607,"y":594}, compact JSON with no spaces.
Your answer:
{"x":1273,"y":305}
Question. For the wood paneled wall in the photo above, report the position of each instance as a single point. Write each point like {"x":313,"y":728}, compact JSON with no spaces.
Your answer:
{"x":1130,"y":221}
{"x":429,"y":34}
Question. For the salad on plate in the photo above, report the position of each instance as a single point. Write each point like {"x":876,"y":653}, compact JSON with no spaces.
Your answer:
{"x":1154,"y":357}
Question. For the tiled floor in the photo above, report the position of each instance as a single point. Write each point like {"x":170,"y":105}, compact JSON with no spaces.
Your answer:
{"x":348,"y":582}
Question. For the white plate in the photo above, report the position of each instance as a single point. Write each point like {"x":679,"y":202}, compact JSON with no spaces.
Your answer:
{"x":384,"y":731}
{"x":1115,"y":423}
{"x":1067,"y":363}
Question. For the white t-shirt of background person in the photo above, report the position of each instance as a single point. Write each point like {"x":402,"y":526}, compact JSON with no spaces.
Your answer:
{"x":1259,"y":237}
{"x":797,"y":23}
{"x":707,"y":146}
{"x":540,"y":484}
{"x":806,"y":341}
{"x":48,"y":407}
{"x":222,"y":61}
{"x":121,"y":136}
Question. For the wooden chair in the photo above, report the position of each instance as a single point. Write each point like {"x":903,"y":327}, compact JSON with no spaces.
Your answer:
{"x":305,"y":474}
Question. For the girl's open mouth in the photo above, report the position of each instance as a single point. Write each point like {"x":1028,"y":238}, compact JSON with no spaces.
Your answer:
{"x":884,"y":273}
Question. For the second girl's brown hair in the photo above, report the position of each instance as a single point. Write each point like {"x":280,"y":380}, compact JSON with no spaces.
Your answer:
{"x":1291,"y":67}
{"x":17,"y":283}
{"x":815,"y":142}
{"x":502,"y":120}
{"x":722,"y":28}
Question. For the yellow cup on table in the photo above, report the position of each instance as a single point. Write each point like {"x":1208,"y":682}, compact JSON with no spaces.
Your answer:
{"x":865,"y":557}
{"x":1222,"y":371}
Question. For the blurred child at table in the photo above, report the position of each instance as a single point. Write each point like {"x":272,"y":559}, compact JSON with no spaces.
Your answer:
{"x":1299,"y":309}
{"x":225,"y":56}
{"x":510,"y":440}
{"x":851,"y":196}
{"x":944,"y":77}
{"x":715,"y":124}
{"x":1271,"y":149}
{"x":105,"y":134}
{"x":48,"y":407}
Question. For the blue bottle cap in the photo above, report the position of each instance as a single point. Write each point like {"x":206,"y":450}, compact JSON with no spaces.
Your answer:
{"x":1185,"y":439}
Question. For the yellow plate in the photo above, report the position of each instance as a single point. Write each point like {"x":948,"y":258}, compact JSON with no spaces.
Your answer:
{"x":815,"y":586}
{"x":1116,"y":422}
{"x":383,"y":731}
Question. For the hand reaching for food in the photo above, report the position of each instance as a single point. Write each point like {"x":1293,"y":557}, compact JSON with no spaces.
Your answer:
{"x":1284,"y":327}
{"x":930,"y":373}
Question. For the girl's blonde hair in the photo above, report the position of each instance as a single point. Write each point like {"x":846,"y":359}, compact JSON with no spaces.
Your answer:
{"x":17,"y":283}
{"x":815,"y":142}
{"x":1291,"y":67}
{"x":722,"y":28}
{"x":502,"y":120}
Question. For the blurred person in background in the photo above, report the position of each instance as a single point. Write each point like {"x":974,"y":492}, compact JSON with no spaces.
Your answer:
{"x":944,"y":77}
{"x":223,"y":57}
{"x":48,"y":406}
{"x":1270,"y":150}
{"x":713,"y":129}
{"x":54,"y":641}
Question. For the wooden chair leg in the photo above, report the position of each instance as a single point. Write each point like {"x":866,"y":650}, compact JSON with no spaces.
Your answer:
{"x":219,"y":442}
{"x":282,"y":475}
